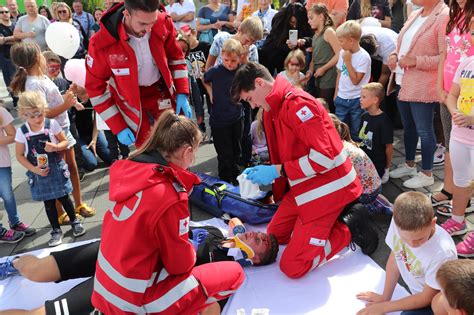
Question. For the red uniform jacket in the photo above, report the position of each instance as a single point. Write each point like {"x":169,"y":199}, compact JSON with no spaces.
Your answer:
{"x":302,"y":137}
{"x":145,"y":253}
{"x":111,"y":58}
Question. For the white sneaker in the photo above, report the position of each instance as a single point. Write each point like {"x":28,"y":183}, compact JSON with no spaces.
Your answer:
{"x":386,"y":176}
{"x":403,"y":170}
{"x":418,"y":181}
{"x":418,"y":145}
{"x":439,"y":155}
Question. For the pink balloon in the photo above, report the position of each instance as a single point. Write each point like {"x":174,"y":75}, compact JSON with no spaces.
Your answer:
{"x":75,"y":71}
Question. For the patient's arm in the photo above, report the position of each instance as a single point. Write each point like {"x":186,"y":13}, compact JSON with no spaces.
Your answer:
{"x":37,"y":311}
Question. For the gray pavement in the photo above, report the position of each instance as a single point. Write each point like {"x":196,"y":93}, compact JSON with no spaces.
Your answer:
{"x":95,"y":193}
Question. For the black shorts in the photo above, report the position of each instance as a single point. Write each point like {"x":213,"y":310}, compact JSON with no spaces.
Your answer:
{"x":73,"y":263}
{"x":77,"y":262}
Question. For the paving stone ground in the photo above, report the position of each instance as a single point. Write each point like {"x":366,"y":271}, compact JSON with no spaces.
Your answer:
{"x":95,"y":193}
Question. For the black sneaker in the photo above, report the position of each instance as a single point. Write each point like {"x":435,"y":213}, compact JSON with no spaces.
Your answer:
{"x":362,"y":229}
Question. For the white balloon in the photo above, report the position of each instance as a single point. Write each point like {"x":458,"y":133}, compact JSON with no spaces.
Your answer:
{"x":370,"y":21}
{"x":63,"y":39}
{"x":75,"y":71}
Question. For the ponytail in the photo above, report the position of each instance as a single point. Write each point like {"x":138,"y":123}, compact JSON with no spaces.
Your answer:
{"x":320,"y":8}
{"x":25,"y":56}
{"x":170,"y":133}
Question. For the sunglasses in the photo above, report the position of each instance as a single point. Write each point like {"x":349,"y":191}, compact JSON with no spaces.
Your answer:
{"x":62,"y":11}
{"x":33,"y":115}
{"x":4,"y":12}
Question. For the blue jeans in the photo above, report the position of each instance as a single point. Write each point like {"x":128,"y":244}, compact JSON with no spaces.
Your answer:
{"x":90,"y":160}
{"x":417,"y":120}
{"x":8,"y":69}
{"x":6,"y":192}
{"x":421,"y":311}
{"x":350,"y":112}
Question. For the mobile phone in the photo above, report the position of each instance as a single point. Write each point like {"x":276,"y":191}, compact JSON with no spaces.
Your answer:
{"x":293,"y":37}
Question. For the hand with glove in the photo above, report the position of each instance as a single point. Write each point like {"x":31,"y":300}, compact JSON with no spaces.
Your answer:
{"x":126,"y":137}
{"x":199,"y":236}
{"x":182,"y":104}
{"x":262,"y":174}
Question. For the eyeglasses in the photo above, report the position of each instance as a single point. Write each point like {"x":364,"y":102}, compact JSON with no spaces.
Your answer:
{"x":33,"y":115}
{"x":62,"y":11}
{"x":4,"y":12}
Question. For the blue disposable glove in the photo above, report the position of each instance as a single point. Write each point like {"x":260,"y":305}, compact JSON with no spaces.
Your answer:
{"x":199,"y":236}
{"x":126,"y":137}
{"x":261,"y":174}
{"x":182,"y":104}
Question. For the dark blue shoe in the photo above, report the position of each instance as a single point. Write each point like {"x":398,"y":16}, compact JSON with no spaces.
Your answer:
{"x":7,"y":269}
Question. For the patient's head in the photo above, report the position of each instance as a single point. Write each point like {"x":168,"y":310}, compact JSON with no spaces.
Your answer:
{"x":264,"y":246}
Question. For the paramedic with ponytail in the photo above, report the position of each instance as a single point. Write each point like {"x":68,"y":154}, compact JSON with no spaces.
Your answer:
{"x":146,"y":261}
{"x":136,"y":70}
{"x":314,"y":178}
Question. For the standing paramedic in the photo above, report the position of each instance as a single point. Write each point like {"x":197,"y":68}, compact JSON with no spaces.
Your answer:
{"x":314,"y":178}
{"x":136,"y":70}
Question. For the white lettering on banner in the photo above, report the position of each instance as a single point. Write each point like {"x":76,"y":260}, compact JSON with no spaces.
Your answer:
{"x":121,"y":71}
{"x":304,"y":114}
{"x":183,"y":226}
{"x":327,"y":189}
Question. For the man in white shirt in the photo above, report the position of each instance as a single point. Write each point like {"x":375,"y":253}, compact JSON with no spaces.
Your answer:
{"x":85,"y":18}
{"x":265,"y":13}
{"x":182,"y":12}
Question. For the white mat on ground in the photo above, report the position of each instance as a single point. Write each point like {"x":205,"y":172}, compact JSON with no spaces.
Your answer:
{"x":20,"y":293}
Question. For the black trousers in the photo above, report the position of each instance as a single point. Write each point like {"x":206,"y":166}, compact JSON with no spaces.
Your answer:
{"x":227,"y":142}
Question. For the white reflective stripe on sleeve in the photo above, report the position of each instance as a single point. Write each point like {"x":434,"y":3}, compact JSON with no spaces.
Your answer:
{"x":176,"y":62}
{"x":65,"y":307}
{"x":180,"y":74}
{"x":172,"y":89}
{"x":305,"y":166}
{"x":324,"y":190}
{"x":299,"y":181}
{"x":101,"y":98}
{"x":134,"y":285}
{"x":163,"y":275}
{"x":115,"y":300}
{"x":321,"y":159}
{"x":109,"y":113}
{"x":57,"y":308}
{"x":130,"y":123}
{"x":129,"y":107}
{"x":172,"y":296}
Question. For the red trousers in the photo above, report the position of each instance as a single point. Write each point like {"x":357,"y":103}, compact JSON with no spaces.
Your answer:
{"x":310,"y":244}
{"x":155,"y":99}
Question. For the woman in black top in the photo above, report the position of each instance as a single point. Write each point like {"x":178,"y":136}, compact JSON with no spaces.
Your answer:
{"x":378,"y":9}
{"x":6,"y":41}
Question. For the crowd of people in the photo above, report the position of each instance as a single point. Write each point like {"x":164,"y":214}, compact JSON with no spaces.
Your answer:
{"x":304,"y":97}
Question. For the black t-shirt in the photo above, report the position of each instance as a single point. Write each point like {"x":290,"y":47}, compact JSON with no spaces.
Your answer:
{"x":376,"y":132}
{"x":85,"y":122}
{"x":380,"y":9}
{"x":211,"y":250}
{"x":6,"y":31}
{"x":198,"y":57}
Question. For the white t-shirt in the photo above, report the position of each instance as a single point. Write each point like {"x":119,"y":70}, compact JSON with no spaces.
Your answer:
{"x":51,"y":94}
{"x":218,"y":42}
{"x":182,"y":8}
{"x":465,"y":80}
{"x":148,"y":72}
{"x":54,"y":127}
{"x":266,"y":17}
{"x":418,"y":266}
{"x":386,"y":39}
{"x":361,"y":62}
{"x":406,"y":43}
{"x":5,"y":119}
{"x":39,"y":26}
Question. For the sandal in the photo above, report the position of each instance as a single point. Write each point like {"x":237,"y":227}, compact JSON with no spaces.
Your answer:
{"x":84,"y":210}
{"x":435,"y":202}
{"x":447,"y":209}
{"x":63,"y":219}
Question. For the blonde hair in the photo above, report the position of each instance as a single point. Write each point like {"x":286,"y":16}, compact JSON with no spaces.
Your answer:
{"x":456,"y":278}
{"x":259,"y":130}
{"x":365,"y":8}
{"x":298,"y":55}
{"x":376,"y":89}
{"x":253,"y":27}
{"x":31,"y":100}
{"x":324,"y":103}
{"x":412,"y":211}
{"x":349,"y":29}
{"x":342,"y":129}
{"x":67,"y":7}
{"x":232,"y":46}
{"x":170,"y":133}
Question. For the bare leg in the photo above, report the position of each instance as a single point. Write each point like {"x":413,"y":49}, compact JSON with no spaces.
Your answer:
{"x":73,"y":170}
{"x":37,"y":311}
{"x":213,"y":309}
{"x":38,"y":269}
{"x":461,"y":196}
{"x":448,"y":178}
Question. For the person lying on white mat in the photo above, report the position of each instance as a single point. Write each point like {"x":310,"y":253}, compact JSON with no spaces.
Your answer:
{"x":247,"y":248}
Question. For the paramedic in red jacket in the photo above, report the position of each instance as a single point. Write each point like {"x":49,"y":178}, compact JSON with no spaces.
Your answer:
{"x":307,"y":156}
{"x":135,"y":69}
{"x":146,"y":263}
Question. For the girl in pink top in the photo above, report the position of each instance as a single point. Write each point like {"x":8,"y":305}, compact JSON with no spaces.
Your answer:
{"x":458,"y":42}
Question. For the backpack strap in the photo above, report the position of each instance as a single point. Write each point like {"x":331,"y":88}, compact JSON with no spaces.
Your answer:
{"x":25,"y":131}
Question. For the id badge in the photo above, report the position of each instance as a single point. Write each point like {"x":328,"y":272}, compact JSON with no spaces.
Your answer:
{"x":164,"y":104}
